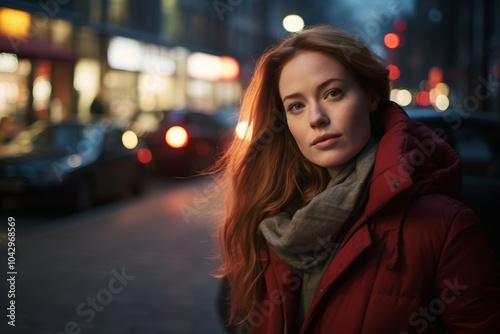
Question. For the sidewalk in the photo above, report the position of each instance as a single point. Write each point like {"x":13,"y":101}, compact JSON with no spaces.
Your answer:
{"x":129,"y":270}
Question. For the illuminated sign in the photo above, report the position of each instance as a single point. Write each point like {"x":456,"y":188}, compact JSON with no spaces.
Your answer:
{"x":209,"y":67}
{"x":15,"y":23}
{"x":131,"y":55}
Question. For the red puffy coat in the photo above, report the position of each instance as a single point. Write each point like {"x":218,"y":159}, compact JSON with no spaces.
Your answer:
{"x":416,"y":261}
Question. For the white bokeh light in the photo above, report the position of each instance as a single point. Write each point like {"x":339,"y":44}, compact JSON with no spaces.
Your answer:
{"x":293,"y":23}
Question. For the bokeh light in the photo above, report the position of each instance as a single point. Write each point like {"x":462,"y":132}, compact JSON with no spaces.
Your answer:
{"x":74,"y":160}
{"x":293,"y":23}
{"x":422,"y":99}
{"x":392,"y":40}
{"x":241,"y":130}
{"x":176,"y":137}
{"x":442,"y":102}
{"x":442,"y":89}
{"x":403,"y":97}
{"x":144,"y":156}
{"x":129,"y":139}
{"x":41,"y":88}
{"x":230,"y":68}
{"x":394,"y":72}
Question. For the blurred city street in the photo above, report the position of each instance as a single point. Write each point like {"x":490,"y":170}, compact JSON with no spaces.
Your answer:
{"x":141,"y":265}
{"x":108,"y":107}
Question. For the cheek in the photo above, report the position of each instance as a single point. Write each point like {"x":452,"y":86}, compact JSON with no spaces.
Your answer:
{"x":296,"y":131}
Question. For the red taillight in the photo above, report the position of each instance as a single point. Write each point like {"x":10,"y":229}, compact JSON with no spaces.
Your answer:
{"x":176,"y":137}
{"x":144,"y":156}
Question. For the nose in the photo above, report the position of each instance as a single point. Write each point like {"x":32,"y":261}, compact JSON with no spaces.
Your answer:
{"x":318,"y":117}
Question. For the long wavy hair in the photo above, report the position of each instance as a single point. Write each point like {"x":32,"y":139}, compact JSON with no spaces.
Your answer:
{"x":265,"y":171}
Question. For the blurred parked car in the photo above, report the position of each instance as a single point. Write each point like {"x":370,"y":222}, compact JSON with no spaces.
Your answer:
{"x":476,"y":137}
{"x":70,"y":165}
{"x":182,"y":141}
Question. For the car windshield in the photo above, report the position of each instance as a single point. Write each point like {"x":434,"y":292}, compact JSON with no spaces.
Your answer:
{"x":67,"y":137}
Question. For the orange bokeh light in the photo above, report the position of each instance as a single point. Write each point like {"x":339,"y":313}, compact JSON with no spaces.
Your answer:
{"x":435,"y":76}
{"x":15,"y":23}
{"x":392,"y":40}
{"x":230,"y":68}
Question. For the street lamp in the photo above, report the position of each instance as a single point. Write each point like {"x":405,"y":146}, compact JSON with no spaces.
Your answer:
{"x":293,"y":23}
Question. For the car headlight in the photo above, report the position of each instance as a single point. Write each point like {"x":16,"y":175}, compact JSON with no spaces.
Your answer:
{"x":74,"y":160}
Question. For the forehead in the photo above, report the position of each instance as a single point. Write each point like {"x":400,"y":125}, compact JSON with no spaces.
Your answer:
{"x":309,"y":69}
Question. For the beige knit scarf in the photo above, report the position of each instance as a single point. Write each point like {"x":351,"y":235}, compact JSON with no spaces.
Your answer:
{"x":309,"y":238}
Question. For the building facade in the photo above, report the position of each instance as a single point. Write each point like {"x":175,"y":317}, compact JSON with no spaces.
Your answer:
{"x":58,"y":56}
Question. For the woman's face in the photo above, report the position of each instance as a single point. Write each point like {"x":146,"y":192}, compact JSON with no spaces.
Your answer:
{"x":327,"y":112}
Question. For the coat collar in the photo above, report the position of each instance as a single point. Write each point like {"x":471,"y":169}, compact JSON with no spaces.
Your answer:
{"x":411,"y":157}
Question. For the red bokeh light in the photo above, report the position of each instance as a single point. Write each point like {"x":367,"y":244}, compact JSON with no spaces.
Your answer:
{"x":394,"y":72}
{"x":144,"y":156}
{"x":423,"y":99}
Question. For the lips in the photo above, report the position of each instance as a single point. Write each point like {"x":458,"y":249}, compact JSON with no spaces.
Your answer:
{"x":324,"y":138}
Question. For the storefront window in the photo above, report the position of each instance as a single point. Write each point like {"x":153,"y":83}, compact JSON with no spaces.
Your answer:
{"x":200,"y":94}
{"x":155,"y":92}
{"x":121,"y":95}
{"x":13,"y":86}
{"x":86,"y":82}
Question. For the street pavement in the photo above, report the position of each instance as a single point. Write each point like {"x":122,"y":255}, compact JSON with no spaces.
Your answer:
{"x":141,"y":266}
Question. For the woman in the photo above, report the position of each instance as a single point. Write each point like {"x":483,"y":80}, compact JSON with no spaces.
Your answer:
{"x":343,"y":215}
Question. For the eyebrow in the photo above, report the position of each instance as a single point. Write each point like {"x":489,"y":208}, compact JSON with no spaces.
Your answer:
{"x":320,"y":87}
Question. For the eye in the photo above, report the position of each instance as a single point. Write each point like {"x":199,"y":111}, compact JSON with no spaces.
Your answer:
{"x":335,"y":92}
{"x":295,"y":106}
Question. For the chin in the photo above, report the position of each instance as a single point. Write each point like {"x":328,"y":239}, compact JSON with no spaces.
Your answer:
{"x":334,"y":162}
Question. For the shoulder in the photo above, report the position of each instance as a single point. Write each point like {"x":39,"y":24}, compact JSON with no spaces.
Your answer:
{"x":425,"y":229}
{"x":427,"y":212}
{"x":440,"y":213}
{"x":435,"y":218}
{"x":440,"y":232}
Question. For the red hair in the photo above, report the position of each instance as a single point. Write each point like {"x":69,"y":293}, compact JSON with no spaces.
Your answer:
{"x":266,"y":171}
